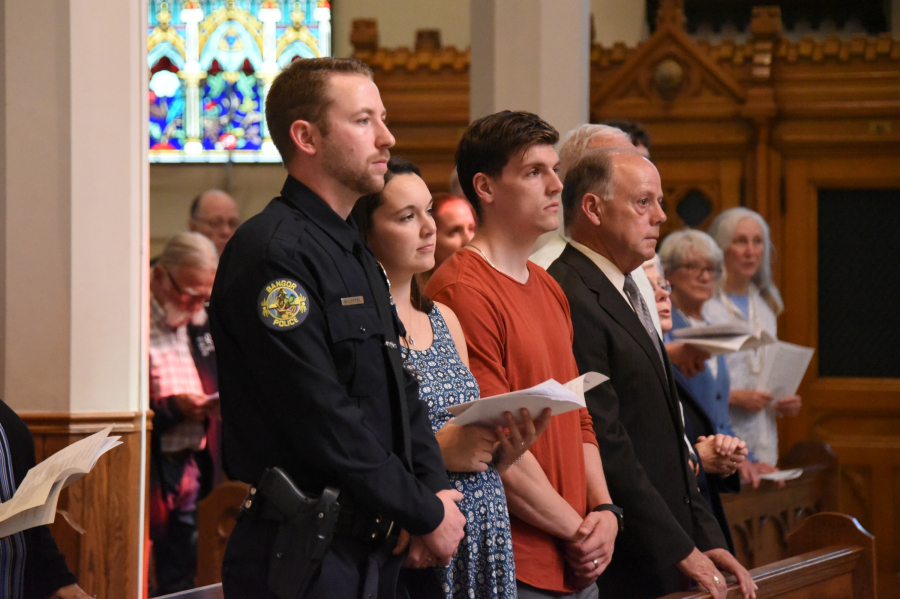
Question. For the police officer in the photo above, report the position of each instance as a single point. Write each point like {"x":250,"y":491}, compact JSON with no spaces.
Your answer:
{"x":304,"y":334}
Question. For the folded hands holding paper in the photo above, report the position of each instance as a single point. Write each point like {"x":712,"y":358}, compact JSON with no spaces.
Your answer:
{"x":501,"y":428}
{"x":489,"y":411}
{"x":470,"y":448}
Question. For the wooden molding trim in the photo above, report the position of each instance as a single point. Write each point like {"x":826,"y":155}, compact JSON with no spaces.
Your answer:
{"x":66,"y":423}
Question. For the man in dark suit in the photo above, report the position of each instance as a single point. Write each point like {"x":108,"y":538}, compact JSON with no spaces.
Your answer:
{"x":612,"y":207}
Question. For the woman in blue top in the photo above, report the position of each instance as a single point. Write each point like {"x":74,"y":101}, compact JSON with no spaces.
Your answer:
{"x":398,"y":226}
{"x":692,"y":262}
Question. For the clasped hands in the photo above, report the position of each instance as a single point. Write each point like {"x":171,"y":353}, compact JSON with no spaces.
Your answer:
{"x":439,"y":546}
{"x":721,"y":454}
{"x":590,"y":549}
{"x":194,"y":407}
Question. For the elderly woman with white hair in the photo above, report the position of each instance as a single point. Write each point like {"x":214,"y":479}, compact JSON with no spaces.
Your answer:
{"x":692,"y":262}
{"x":746,"y":292}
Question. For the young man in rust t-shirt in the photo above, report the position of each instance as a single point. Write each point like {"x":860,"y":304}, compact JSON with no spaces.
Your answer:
{"x":519,"y":332}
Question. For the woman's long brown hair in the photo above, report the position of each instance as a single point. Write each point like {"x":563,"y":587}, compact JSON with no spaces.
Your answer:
{"x":362,"y":214}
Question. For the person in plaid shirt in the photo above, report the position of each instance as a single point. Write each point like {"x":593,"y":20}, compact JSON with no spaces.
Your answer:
{"x":181,"y":396}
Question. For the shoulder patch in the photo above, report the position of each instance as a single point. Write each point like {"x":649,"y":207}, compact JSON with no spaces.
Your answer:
{"x":283,"y":304}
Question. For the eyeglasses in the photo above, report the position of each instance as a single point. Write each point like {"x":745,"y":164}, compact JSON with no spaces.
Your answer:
{"x":192,"y":295}
{"x":664,"y":285}
{"x":695,"y":269}
{"x":218,"y":223}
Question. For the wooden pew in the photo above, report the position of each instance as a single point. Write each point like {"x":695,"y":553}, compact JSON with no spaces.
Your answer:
{"x":761,"y":519}
{"x":216,"y":517}
{"x":832,"y":558}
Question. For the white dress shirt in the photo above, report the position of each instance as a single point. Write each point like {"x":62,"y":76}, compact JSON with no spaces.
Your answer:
{"x":550,"y":251}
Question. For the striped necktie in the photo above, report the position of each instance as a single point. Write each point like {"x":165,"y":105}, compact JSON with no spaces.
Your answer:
{"x":643,"y":313}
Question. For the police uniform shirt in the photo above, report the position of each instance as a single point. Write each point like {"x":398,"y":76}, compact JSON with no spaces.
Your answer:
{"x":303,"y":377}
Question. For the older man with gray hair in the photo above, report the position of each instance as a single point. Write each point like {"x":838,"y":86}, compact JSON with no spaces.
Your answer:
{"x":183,"y":390}
{"x":612,"y":207}
{"x":575,"y":144}
{"x":215,"y":214}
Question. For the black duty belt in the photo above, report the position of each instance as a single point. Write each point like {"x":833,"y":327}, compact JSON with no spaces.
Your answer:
{"x":352,"y":523}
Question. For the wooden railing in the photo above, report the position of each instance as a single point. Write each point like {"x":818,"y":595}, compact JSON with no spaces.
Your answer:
{"x":833,"y":557}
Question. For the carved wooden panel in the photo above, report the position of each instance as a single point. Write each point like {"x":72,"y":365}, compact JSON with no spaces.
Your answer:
{"x":761,"y":519}
{"x":105,"y":503}
{"x":426,"y":94}
{"x":719,"y":181}
{"x":858,"y":417}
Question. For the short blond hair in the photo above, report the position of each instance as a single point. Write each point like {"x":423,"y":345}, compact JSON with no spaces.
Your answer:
{"x":299,"y":93}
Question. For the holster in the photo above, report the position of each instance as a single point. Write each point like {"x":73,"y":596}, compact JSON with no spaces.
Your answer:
{"x":306,"y":526}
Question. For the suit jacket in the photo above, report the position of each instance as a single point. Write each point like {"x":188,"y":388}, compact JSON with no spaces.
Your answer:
{"x":639,"y":428}
{"x":697,"y":423}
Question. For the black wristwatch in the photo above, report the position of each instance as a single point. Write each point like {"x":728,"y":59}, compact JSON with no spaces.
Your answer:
{"x":616,"y":510}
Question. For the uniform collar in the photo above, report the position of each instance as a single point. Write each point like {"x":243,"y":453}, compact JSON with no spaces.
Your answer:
{"x":299,"y":196}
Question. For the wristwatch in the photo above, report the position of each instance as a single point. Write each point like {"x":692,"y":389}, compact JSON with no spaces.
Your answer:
{"x":616,"y":510}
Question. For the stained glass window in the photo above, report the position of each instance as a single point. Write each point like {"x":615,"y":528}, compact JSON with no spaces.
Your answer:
{"x":211,"y":64}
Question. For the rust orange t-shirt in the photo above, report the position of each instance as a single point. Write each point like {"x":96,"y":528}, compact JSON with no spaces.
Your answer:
{"x":519,"y":335}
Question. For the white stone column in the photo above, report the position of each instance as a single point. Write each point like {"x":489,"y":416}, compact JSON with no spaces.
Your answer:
{"x":73,"y":233}
{"x":75,"y":202}
{"x":531,"y":55}
{"x":269,"y":18}
{"x":192,"y":76}
{"x":322,"y":16}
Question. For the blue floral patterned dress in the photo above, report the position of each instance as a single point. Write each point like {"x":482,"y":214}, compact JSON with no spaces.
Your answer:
{"x":483,"y":567}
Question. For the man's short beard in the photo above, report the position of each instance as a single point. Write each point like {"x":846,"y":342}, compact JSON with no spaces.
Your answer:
{"x":174,"y":317}
{"x":337,"y":166}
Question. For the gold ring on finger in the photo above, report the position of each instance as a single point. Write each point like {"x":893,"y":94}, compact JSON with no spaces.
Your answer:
{"x":596,"y":564}
{"x":716,"y":579}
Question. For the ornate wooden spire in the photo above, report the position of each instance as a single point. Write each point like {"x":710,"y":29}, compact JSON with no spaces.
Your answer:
{"x":670,"y":13}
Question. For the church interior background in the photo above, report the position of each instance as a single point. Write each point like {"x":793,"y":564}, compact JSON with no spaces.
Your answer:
{"x":791,"y":108}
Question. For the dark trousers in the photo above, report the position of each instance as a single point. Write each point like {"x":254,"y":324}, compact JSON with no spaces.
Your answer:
{"x":175,"y":554}
{"x":349,"y":570}
{"x":174,"y":489}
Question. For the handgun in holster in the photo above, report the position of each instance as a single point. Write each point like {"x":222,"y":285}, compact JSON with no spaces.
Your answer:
{"x":304,"y":532}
